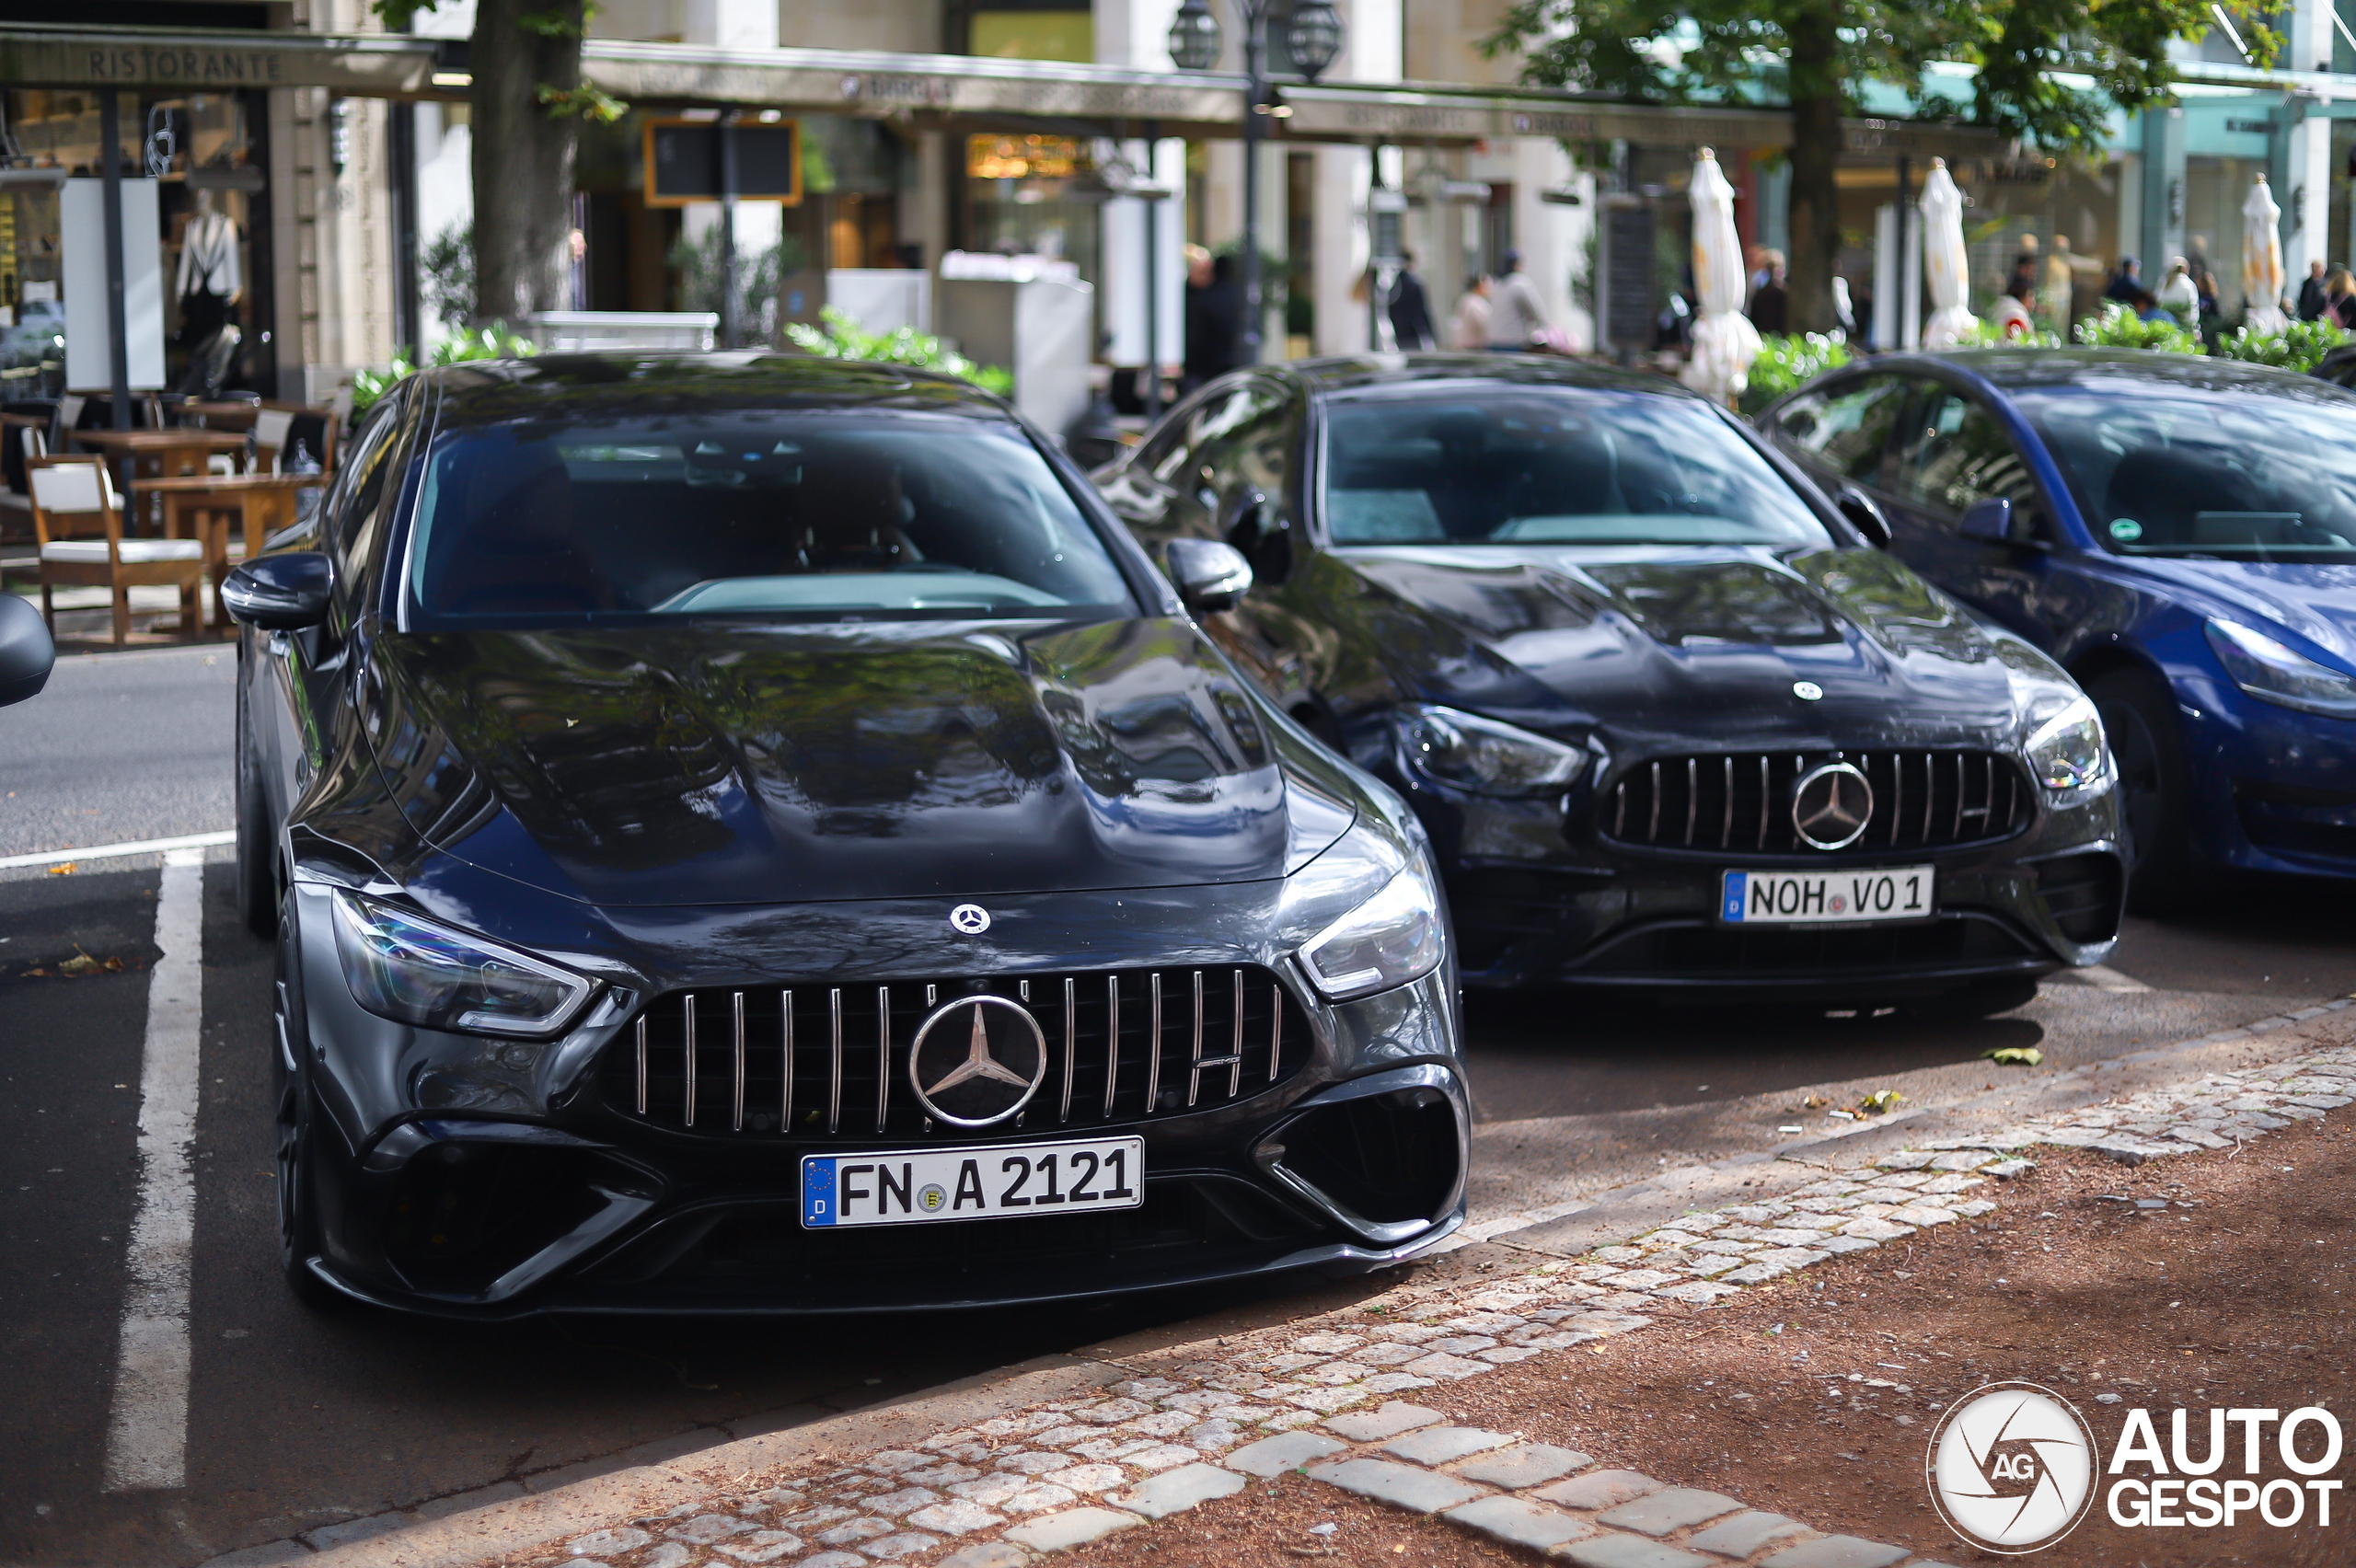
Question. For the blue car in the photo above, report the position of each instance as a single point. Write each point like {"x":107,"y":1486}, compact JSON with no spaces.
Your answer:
{"x":2179,"y":532}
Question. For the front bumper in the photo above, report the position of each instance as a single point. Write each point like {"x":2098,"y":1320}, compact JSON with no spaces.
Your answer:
{"x":1539,"y":898}
{"x":461,"y":1177}
{"x":2274,"y":789}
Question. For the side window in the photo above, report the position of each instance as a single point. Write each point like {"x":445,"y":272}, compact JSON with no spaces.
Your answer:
{"x":1845,"y":430}
{"x":357,"y":497}
{"x":1955,"y":452}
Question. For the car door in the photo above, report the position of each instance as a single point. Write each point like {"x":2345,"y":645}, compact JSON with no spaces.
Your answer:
{"x":1953,"y":451}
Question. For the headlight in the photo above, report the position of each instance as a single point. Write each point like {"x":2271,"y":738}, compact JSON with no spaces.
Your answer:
{"x":1483,"y":755}
{"x":1372,"y":914}
{"x":2272,"y":672}
{"x":2067,"y":751}
{"x":413,"y":970}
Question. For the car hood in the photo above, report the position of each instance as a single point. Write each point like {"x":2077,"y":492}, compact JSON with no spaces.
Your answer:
{"x":718,"y":765}
{"x":1700,"y":642}
{"x":2316,"y":602}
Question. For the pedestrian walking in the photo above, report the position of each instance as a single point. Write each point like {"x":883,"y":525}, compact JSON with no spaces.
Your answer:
{"x":2179,"y":295}
{"x":1771,"y":302}
{"x":2313,"y":300}
{"x":2126,"y":284}
{"x":1410,"y":308}
{"x":1214,"y":318}
{"x":2022,"y":283}
{"x":1470,"y":329}
{"x":1515,"y":313}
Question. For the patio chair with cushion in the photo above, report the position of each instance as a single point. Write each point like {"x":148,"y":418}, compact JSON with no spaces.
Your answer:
{"x":77,"y":526}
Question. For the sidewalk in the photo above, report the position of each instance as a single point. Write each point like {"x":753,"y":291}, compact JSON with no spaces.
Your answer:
{"x":1754,"y":1384}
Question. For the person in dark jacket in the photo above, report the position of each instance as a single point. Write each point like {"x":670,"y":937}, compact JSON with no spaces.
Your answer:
{"x":1410,"y":308}
{"x":1770,"y":302}
{"x":1214,"y":318}
{"x":2127,"y":284}
{"x":2313,"y":301}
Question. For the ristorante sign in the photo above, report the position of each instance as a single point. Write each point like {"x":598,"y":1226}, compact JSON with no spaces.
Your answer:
{"x":387,"y":67}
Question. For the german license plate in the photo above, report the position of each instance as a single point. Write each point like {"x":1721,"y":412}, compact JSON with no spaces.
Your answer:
{"x":1794,"y":898}
{"x":918,"y":1186}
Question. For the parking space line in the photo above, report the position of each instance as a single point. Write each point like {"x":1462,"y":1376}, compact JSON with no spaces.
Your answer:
{"x":116,"y":851}
{"x":147,"y":1433}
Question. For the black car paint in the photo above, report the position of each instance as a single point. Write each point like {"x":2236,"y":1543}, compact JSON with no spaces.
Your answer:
{"x":722,"y":804}
{"x":1637,"y":651}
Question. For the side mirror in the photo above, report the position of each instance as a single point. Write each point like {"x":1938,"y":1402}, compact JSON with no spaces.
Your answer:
{"x":280,"y":593}
{"x":1860,"y":510}
{"x":27,"y":655}
{"x":1988,"y":520}
{"x":1209,"y":576}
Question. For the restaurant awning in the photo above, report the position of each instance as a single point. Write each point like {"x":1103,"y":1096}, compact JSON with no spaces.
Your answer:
{"x":927,"y":90}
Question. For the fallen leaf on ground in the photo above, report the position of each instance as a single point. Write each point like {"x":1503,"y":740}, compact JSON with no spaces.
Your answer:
{"x":2015,"y":1055}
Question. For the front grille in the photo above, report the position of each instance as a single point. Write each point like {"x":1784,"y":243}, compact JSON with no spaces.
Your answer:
{"x":1922,"y":800}
{"x":827,"y":1061}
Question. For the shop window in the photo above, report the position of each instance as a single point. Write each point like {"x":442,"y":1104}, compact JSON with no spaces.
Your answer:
{"x":1032,"y":35}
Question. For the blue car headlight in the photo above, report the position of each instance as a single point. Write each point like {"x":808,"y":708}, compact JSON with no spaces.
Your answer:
{"x":1370,"y":911}
{"x":412,"y":970}
{"x":2273,"y":672}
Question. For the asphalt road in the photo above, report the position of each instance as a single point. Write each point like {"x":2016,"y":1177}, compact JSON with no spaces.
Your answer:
{"x":298,"y":1422}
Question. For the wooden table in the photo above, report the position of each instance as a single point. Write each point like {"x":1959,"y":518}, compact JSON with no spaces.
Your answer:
{"x":150,"y":454}
{"x":202,"y":506}
{"x":225,"y":415}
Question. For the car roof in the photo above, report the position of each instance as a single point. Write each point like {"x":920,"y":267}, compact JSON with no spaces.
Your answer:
{"x":1341,"y":375}
{"x":2026,"y":370}
{"x":555,"y":384}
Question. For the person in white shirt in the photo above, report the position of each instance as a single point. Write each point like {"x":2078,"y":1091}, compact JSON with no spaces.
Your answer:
{"x":1515,"y":313}
{"x":1470,"y":329}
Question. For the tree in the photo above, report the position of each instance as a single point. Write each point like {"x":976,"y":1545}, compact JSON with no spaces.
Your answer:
{"x":1818,"y":55}
{"x":529,"y":101}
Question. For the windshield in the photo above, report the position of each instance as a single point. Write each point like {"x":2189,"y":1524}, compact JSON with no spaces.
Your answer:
{"x":727,"y":512}
{"x":2243,"y":475}
{"x":1546,"y":465}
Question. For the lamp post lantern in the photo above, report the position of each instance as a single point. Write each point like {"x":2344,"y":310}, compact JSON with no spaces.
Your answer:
{"x":1314,"y":40}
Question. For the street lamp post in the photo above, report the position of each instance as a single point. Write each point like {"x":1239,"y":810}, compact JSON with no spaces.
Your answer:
{"x":1313,"y":38}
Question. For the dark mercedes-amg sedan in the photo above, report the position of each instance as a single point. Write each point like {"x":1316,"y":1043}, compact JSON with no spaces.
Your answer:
{"x":1673,"y":720}
{"x":751,"y":834}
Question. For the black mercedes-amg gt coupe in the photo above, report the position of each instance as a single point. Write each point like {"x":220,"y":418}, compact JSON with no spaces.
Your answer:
{"x":753,"y":833}
{"x":1673,"y":720}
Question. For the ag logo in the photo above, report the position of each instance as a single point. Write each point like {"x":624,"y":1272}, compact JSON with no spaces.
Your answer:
{"x":2012,"y":1468}
{"x":970,"y":919}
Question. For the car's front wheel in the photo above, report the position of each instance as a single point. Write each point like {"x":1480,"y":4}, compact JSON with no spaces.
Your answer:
{"x":298,"y":1223}
{"x":2155,"y":814}
{"x":256,"y":874}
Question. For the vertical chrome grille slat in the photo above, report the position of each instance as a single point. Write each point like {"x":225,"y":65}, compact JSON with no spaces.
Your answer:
{"x":1726,"y":829}
{"x":1930,"y":794}
{"x":882,"y":1054}
{"x":1766,"y":790}
{"x":1652,"y":833}
{"x":1693,"y":796}
{"x":737,"y":1098}
{"x":1154,"y":1048}
{"x":785,"y":1093}
{"x":1619,"y":810}
{"x":691,"y":1059}
{"x":1897,"y":792}
{"x":1112,"y":1039}
{"x":1071,"y":1042}
{"x":1235,"y":1055}
{"x":835,"y":1068}
{"x":1276,"y":1030}
{"x":642,"y":1064}
{"x":1956,"y":831}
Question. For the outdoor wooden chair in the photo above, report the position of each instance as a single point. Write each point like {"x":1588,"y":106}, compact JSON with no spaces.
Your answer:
{"x":77,"y":526}
{"x":280,"y":425}
{"x":23,"y":437}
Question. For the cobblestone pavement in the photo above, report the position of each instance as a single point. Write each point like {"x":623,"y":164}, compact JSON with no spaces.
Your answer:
{"x":1323,"y":1396}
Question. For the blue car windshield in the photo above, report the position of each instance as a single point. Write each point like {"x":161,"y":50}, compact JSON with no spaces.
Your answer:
{"x":1550,"y":466}
{"x":2244,"y":473}
{"x":777,"y":514}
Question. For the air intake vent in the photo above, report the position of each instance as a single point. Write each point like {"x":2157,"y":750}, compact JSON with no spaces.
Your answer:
{"x":1742,"y":801}
{"x":833,"y":1061}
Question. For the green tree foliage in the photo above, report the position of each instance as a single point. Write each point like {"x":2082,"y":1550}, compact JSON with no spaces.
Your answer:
{"x":495,"y":342}
{"x":842,"y":337}
{"x":2050,"y":71}
{"x":1785,"y":359}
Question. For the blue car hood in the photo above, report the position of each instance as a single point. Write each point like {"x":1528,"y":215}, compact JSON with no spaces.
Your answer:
{"x":2318,"y":603}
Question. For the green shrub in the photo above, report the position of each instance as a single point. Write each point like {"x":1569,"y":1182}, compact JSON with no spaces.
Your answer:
{"x":2300,"y":346}
{"x":2118,"y":328}
{"x":490,"y":342}
{"x":1988,"y":335}
{"x":842,"y":337}
{"x":1786,"y":361}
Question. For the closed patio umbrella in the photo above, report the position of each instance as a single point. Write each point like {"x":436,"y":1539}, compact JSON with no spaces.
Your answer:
{"x":1945,"y":265}
{"x":2262,"y":260}
{"x":1725,"y":342}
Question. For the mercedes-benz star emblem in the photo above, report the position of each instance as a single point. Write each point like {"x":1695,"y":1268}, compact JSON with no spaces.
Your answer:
{"x":987,"y":1075}
{"x":1807,"y":691}
{"x":970,"y":919}
{"x":1832,"y":804}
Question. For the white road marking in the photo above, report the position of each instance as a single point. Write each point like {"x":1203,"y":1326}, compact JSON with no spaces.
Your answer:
{"x":116,"y":851}
{"x":148,"y":1435}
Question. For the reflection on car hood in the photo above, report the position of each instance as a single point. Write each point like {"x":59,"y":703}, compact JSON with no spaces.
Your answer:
{"x":1706,"y":641}
{"x":2316,"y":602}
{"x":718,"y":764}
